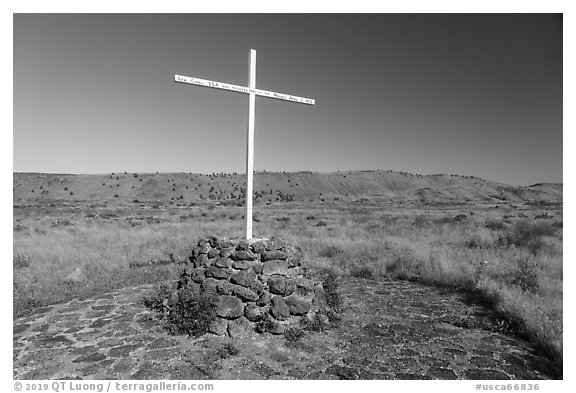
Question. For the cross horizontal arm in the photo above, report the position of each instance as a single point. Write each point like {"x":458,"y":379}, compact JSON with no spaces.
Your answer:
{"x":242,"y":89}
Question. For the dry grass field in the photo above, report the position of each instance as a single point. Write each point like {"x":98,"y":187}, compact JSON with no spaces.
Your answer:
{"x":507,"y":255}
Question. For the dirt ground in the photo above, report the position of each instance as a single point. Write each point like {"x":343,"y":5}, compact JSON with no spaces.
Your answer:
{"x":389,"y":329}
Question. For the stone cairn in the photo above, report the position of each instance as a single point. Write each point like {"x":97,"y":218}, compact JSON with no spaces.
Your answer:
{"x":256,"y":283}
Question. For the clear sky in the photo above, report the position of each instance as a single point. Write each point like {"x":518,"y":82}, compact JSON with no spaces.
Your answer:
{"x":471,"y":94}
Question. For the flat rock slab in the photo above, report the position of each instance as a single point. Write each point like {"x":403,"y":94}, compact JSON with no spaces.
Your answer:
{"x":389,"y":330}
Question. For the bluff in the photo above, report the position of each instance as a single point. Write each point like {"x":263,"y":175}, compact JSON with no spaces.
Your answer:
{"x":275,"y":187}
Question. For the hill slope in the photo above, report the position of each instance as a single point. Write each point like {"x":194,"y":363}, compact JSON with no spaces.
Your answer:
{"x":278,"y":187}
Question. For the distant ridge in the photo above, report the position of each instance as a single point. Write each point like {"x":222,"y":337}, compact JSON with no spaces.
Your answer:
{"x":271,"y":187}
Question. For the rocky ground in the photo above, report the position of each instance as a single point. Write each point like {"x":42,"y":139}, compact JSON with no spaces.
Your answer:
{"x":389,"y":330}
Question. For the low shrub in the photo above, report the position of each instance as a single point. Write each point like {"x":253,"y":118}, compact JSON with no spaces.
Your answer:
{"x":184,"y":312}
{"x":479,"y":240}
{"x":420,"y":219}
{"x":192,"y":313}
{"x":543,"y":216}
{"x":156,"y":300}
{"x":495,"y":225}
{"x":294,"y":334}
{"x":444,"y":220}
{"x":318,"y":323}
{"x":330,"y":285}
{"x":526,"y":275}
{"x":558,"y":224}
{"x":404,"y":265}
{"x":266,"y":324}
{"x":21,"y":261}
{"x":362,"y":272}
{"x":529,"y":235}
{"x":330,"y":251}
{"x":227,"y":350}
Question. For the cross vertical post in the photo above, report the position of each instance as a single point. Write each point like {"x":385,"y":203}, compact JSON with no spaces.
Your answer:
{"x":250,"y":144}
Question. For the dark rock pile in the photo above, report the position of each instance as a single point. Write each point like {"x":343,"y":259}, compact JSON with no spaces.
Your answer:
{"x":259,"y":284}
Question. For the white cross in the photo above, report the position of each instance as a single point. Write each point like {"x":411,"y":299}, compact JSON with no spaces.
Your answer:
{"x":252,"y":91}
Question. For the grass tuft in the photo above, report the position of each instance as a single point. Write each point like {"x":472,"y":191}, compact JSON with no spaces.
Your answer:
{"x":526,"y":275}
{"x":294,"y":334}
{"x":330,"y":285}
{"x":362,"y":272}
{"x":227,"y":350}
{"x":331,"y":251}
{"x":21,"y":261}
